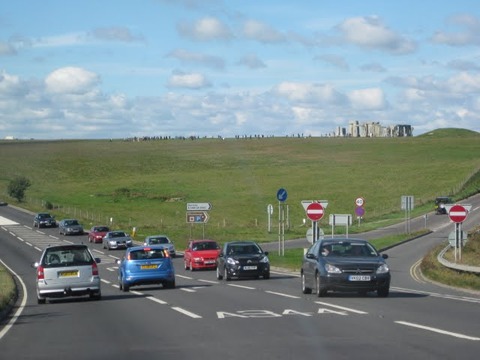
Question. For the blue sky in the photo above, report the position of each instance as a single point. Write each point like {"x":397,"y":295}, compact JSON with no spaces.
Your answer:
{"x":115,"y":68}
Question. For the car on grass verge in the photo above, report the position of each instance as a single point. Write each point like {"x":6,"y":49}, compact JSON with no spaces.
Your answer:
{"x":67,"y":270}
{"x":44,"y":220}
{"x":161,"y":240}
{"x":201,"y":254}
{"x":97,"y":233}
{"x":117,"y":240}
{"x":242,"y":259}
{"x":70,"y":227}
{"x":146,"y":265}
{"x":348,"y":265}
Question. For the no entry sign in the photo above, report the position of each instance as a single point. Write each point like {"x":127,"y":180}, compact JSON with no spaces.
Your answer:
{"x":458,"y":213}
{"x":315,"y":211}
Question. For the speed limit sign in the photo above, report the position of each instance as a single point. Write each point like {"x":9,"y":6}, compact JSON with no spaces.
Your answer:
{"x":359,"y":201}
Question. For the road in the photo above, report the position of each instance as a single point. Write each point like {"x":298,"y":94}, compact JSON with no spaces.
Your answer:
{"x":260,"y":319}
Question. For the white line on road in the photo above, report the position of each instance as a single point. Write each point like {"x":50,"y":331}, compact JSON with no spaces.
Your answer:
{"x":341,"y":308}
{"x":281,"y":294}
{"x":187,"y":290}
{"x":444,"y":332}
{"x":184,"y":277}
{"x":156,"y":300}
{"x":242,"y":286}
{"x":208,"y":281}
{"x":186,"y":312}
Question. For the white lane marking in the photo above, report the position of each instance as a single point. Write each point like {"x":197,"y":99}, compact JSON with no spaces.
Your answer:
{"x":443,"y":296}
{"x":187,"y":290}
{"x":439,"y":331}
{"x":5,"y":221}
{"x":29,"y":244}
{"x":136,"y":292}
{"x":209,"y":281}
{"x":184,"y":277}
{"x":186,"y":312}
{"x":105,"y":281}
{"x":37,"y":248}
{"x":341,"y":308}
{"x":242,"y":286}
{"x":281,"y":294}
{"x":20,"y":308}
{"x":98,"y":251}
{"x":156,"y":300}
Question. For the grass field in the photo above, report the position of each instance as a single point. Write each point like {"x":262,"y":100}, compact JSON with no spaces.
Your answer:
{"x":147,"y":184}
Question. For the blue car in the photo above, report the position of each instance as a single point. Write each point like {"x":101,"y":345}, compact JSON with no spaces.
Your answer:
{"x":146,"y":265}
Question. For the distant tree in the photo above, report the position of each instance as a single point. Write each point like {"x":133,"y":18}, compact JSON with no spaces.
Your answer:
{"x":17,"y":187}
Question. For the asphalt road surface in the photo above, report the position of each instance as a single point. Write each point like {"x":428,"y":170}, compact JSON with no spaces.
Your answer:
{"x":206,"y":318}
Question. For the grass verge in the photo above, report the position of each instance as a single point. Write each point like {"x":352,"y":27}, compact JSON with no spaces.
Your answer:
{"x":7,"y":288}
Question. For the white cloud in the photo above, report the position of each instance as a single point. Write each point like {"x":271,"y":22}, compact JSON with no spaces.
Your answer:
{"x":256,"y":30}
{"x":71,"y":80}
{"x":252,"y":61}
{"x":205,"y":29}
{"x":371,"y":99}
{"x":469,"y":35}
{"x":190,"y":81}
{"x":371,"y":33}
{"x":191,"y":57}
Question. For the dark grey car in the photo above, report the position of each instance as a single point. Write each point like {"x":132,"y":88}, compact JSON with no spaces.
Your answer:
{"x":70,"y":227}
{"x":351,"y":265}
{"x":44,"y":220}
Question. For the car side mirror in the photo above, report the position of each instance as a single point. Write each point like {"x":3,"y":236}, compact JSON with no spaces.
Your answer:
{"x":220,"y":255}
{"x":266,"y":253}
{"x":98,"y":260}
{"x":118,"y":261}
{"x":310,"y":256}
{"x":385,"y":256}
{"x":35,"y":265}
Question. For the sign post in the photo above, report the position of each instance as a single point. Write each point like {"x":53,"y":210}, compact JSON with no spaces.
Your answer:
{"x":281,"y":197}
{"x":458,"y":214}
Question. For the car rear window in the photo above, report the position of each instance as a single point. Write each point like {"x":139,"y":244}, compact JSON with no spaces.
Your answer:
{"x":147,"y":254}
{"x":67,"y":256}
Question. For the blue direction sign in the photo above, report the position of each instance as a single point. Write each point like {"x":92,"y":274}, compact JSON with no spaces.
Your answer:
{"x":282,"y":194}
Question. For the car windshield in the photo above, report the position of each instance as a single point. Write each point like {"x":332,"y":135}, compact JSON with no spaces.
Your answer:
{"x":146,"y":254}
{"x":61,"y":256}
{"x":208,"y":245}
{"x":241,"y":249}
{"x":158,"y":240}
{"x":347,"y":249}
{"x":101,"y":229}
{"x":44,"y":216}
{"x":71,"y":222}
{"x":117,"y":234}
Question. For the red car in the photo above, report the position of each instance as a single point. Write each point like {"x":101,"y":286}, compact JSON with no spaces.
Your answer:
{"x":201,"y":254}
{"x":97,"y":233}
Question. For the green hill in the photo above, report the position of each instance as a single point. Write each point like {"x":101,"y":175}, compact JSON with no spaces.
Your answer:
{"x":148,"y":184}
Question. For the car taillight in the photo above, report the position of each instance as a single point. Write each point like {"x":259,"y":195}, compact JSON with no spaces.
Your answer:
{"x":40,"y":273}
{"x":94,"y":269}
{"x":167,"y":254}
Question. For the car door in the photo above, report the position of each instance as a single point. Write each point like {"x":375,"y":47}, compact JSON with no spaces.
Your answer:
{"x":310,"y":262}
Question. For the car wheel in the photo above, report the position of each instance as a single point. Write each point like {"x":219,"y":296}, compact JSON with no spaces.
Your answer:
{"x":169,"y":284}
{"x":225,"y":274}
{"x":96,"y":296}
{"x":219,"y":274}
{"x":266,"y":276}
{"x":383,"y":291}
{"x":185,"y":265}
{"x":305,"y":289}
{"x":191,"y":266}
{"x":41,"y":300}
{"x":318,"y":287}
{"x":125,"y":287}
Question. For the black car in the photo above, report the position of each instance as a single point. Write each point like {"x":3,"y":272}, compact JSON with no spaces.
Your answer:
{"x":44,"y":220}
{"x":241,"y":259}
{"x":351,"y":265}
{"x":440,"y":203}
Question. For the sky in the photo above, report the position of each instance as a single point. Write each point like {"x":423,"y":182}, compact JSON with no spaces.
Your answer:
{"x":94,"y":69}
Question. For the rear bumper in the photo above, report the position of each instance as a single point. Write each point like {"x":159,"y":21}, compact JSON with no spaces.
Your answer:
{"x":68,"y":291}
{"x":149,"y":279}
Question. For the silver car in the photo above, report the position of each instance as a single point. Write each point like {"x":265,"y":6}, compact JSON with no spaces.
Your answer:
{"x":117,"y":240}
{"x":161,"y":240}
{"x":67,"y":270}
{"x":70,"y":227}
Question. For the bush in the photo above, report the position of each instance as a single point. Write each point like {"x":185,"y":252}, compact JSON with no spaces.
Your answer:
{"x":17,"y":187}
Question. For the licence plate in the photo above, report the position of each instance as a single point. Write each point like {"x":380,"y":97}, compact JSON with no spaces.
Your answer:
{"x":359,"y":278}
{"x":209,"y":262}
{"x":249,"y":268}
{"x":63,"y":274}
{"x":148,"y":267}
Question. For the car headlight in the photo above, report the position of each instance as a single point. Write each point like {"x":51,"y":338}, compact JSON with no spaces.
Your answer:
{"x":264,"y":260}
{"x":383,"y":269}
{"x":232,"y":261}
{"x":332,"y":269}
